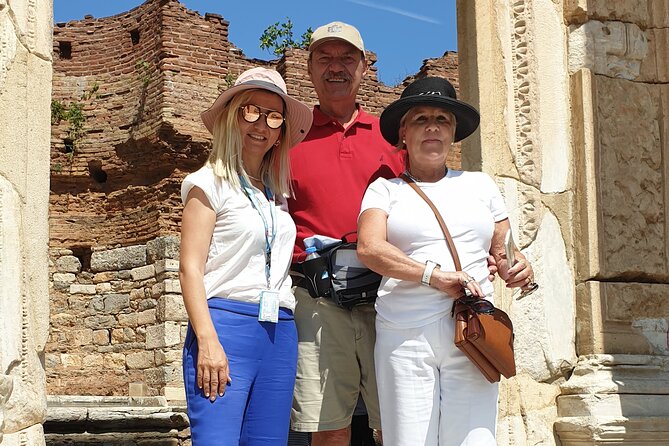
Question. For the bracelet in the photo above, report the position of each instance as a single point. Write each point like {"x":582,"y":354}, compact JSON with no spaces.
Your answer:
{"x":427,"y":272}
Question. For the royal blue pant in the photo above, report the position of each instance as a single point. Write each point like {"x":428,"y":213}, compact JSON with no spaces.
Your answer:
{"x":255,"y":409}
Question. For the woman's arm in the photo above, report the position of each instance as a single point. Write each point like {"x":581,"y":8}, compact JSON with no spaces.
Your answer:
{"x":521,"y":275}
{"x":379,"y":255}
{"x":197,"y":227}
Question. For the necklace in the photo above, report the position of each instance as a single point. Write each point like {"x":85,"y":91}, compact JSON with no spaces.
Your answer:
{"x":416,"y":180}
{"x":253,"y":178}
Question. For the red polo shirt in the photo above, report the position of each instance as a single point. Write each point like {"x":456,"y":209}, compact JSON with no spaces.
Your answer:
{"x":330,"y":172}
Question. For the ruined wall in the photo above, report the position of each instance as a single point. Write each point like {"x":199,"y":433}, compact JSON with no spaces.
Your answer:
{"x":142,"y":78}
{"x":116,"y":327}
{"x":25,"y":89}
{"x":573,"y":97}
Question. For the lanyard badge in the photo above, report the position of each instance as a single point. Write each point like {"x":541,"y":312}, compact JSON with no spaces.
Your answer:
{"x":269,"y":300}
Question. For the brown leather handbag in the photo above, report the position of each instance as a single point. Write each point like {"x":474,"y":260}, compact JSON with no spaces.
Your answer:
{"x":483,"y":332}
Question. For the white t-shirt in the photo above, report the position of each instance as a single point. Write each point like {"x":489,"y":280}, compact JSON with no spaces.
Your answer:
{"x":470,"y":203}
{"x":235,"y":267}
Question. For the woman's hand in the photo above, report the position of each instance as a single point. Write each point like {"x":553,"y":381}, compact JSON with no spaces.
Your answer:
{"x":520,"y":275}
{"x":213,"y":373}
{"x":455,"y":283}
{"x":197,"y":227}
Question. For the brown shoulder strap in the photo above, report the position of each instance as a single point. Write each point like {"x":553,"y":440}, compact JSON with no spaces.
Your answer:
{"x":442,"y":224}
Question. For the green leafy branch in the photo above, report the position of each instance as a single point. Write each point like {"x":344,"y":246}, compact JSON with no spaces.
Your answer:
{"x":73,"y":113}
{"x":279,"y":37}
{"x":143,"y":69}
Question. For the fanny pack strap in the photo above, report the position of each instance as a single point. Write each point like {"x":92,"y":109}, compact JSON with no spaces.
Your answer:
{"x":442,"y":224}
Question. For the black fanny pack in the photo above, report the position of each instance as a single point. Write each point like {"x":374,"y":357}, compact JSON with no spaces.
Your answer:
{"x":339,"y":276}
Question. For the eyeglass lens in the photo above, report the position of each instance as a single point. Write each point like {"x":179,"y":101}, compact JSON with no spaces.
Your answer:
{"x":251,"y":113}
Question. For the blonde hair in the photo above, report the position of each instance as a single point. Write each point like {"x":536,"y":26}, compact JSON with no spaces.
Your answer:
{"x":225,"y":158}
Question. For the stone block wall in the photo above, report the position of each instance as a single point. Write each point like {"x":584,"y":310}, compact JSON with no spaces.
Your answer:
{"x":117,"y":322}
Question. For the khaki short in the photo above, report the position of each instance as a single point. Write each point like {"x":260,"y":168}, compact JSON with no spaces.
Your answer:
{"x":335,"y":364}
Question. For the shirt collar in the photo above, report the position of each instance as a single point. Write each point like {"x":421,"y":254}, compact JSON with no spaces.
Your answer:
{"x":321,"y":119}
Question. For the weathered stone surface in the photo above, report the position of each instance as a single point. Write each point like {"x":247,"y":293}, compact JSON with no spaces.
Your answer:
{"x":101,"y":337}
{"x":631,"y":181}
{"x":118,"y":259}
{"x":115,"y":303}
{"x":77,"y":288}
{"x":175,"y":393}
{"x":10,"y":273}
{"x":166,"y":286}
{"x":167,"y":265}
{"x":634,"y":318}
{"x":64,"y":278}
{"x":659,"y":13}
{"x":33,"y":436}
{"x":102,"y":288}
{"x":526,"y":413}
{"x":621,"y":398}
{"x":142,"y":272}
{"x":115,"y":361}
{"x":138,"y":389}
{"x":163,"y":248}
{"x":638,"y":12}
{"x":544,"y":321}
{"x":171,"y":308}
{"x":661,"y":41}
{"x":140,"y":360}
{"x":93,"y":360}
{"x":552,"y":157}
{"x":611,"y":48}
{"x":100,"y":322}
{"x":146,"y":317}
{"x":163,"y":335}
{"x":68,"y":264}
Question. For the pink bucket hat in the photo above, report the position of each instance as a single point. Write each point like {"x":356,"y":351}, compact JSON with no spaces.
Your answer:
{"x":297,"y":114}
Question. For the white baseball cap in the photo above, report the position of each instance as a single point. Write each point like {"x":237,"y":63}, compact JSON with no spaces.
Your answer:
{"x":337,"y":31}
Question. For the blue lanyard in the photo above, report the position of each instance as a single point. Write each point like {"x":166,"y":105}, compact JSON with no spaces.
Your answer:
{"x":269,"y":238}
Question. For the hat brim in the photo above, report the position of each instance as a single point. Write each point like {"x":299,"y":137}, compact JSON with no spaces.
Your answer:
{"x":297,"y":114}
{"x":466,"y":116}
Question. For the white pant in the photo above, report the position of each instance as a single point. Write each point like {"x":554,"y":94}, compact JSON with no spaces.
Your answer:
{"x":429,"y":392}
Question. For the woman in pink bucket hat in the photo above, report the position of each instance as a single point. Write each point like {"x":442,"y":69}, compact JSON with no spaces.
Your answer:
{"x":237,"y":239}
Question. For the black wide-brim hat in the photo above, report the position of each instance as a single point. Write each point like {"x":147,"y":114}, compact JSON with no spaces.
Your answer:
{"x":431,"y":92}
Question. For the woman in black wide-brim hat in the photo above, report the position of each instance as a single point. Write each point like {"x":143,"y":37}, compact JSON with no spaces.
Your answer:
{"x":429,"y":392}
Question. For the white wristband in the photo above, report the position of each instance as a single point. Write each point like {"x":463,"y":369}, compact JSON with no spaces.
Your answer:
{"x":427,"y":272}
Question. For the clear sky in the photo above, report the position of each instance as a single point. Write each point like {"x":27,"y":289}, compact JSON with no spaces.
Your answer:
{"x":401,"y":33}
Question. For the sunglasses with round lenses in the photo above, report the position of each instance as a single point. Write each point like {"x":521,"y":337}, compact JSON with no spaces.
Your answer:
{"x":251,"y":113}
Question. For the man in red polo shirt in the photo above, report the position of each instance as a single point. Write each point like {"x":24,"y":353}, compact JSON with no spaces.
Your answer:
{"x":331,"y":169}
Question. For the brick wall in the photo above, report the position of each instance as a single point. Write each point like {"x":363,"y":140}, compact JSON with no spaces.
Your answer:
{"x":141,"y":78}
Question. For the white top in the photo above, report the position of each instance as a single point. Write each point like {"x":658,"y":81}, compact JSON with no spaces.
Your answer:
{"x":235,"y":267}
{"x":470,"y":203}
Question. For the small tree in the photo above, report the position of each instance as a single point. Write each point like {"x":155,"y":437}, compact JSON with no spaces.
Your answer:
{"x":279,"y":37}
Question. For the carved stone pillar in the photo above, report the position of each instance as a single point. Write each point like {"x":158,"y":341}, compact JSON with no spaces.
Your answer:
{"x":574,"y":96}
{"x":25,"y":93}
{"x":618,"y":66}
{"x":513,"y":67}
